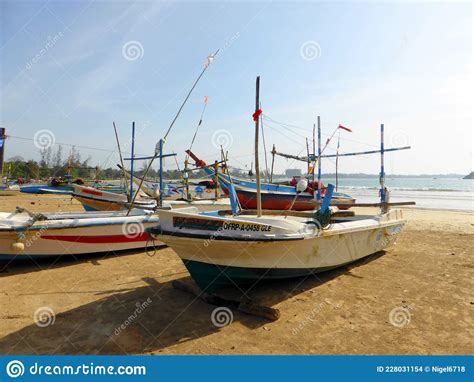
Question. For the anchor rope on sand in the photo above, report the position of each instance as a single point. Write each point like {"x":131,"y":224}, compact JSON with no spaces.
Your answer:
{"x":34,"y":216}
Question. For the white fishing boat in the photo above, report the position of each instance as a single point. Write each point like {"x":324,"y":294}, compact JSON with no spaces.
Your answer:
{"x":26,"y":235}
{"x":237,"y":248}
{"x":222,"y":249}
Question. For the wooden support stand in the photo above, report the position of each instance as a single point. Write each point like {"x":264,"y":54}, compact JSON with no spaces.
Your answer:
{"x":247,"y":307}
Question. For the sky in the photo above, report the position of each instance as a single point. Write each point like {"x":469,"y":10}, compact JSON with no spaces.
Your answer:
{"x":68,"y":69}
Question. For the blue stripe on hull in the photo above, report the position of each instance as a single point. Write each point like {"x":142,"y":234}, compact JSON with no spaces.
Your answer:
{"x":88,"y":208}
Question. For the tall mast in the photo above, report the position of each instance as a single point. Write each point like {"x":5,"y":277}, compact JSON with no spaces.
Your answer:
{"x":314,"y":153}
{"x":382,"y":170}
{"x":121,"y":160}
{"x":319,"y":158}
{"x":257,"y":167}
{"x":2,"y":146}
{"x":132,"y":160}
{"x":273,"y":162}
{"x":307,"y":155}
{"x":337,"y":161}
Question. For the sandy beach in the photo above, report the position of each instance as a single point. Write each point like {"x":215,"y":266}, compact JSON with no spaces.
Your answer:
{"x":415,"y":298}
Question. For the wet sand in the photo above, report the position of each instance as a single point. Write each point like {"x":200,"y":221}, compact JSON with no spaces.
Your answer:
{"x":415,"y":298}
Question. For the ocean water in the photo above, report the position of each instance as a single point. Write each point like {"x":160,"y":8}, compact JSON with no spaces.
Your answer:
{"x":433,"y":193}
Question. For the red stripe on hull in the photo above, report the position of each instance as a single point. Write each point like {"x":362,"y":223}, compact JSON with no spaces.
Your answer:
{"x":272,"y":202}
{"x":91,"y":192}
{"x":110,"y":239}
{"x":248,"y":200}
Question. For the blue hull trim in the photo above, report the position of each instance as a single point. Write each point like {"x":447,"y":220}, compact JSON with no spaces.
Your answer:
{"x":211,"y":278}
{"x":88,"y":208}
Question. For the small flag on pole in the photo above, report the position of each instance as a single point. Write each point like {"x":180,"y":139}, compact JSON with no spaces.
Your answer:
{"x":256,"y":114}
{"x":345,"y":128}
{"x":205,"y":100}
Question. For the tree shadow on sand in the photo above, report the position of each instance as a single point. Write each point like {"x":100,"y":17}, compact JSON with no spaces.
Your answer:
{"x":149,"y":318}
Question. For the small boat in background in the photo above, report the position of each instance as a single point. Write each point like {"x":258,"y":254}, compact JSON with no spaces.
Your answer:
{"x":97,"y":200}
{"x":26,"y":235}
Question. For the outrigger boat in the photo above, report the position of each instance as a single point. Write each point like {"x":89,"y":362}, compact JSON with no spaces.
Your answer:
{"x":240,"y":248}
{"x":24,"y":235}
{"x":221,"y":249}
{"x":273,"y":196}
{"x":96,"y":200}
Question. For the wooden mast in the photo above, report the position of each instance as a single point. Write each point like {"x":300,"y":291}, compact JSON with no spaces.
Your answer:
{"x":382,"y":171}
{"x":257,"y":167}
{"x":273,"y":162}
{"x":314,"y":154}
{"x":337,"y":161}
{"x":2,"y":146}
{"x":121,"y":162}
{"x":319,"y":159}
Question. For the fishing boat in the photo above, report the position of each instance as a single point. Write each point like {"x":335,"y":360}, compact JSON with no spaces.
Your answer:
{"x":25,"y":235}
{"x":274,"y":196}
{"x":222,"y":249}
{"x":241,"y":248}
{"x":58,"y":186}
{"x":98,"y":200}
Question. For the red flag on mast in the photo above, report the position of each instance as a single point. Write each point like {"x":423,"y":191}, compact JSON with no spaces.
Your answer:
{"x":256,"y":114}
{"x":345,"y":128}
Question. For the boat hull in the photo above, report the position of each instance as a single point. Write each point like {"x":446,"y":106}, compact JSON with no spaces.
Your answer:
{"x":212,"y":278}
{"x":43,"y":241}
{"x":100,"y":200}
{"x":275,"y":201}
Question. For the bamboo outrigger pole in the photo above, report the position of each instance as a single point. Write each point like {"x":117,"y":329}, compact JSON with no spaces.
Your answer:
{"x":159,"y":147}
{"x":121,"y":160}
{"x":257,"y":167}
{"x":304,"y":159}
